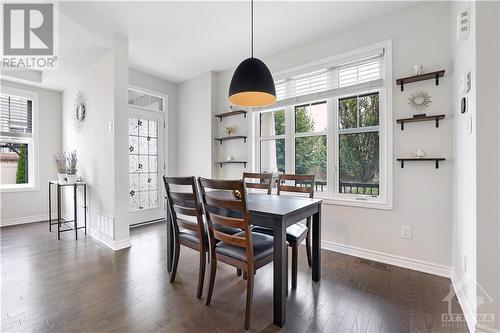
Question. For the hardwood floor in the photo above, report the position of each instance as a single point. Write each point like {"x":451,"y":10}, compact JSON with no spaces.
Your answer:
{"x":81,"y":286}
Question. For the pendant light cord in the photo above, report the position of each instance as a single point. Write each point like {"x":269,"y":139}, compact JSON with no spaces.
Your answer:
{"x":251,"y":23}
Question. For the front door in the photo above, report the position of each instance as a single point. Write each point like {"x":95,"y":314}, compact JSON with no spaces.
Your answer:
{"x":146,"y":164}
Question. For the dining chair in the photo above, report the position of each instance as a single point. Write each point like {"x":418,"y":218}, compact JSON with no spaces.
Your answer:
{"x":265,"y":181}
{"x":189,"y":232}
{"x":225,"y":205}
{"x":296,"y":233}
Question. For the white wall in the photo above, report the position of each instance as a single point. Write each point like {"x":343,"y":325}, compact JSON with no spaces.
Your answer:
{"x":422,"y":195}
{"x":102,"y":152}
{"x":143,"y":80}
{"x":464,"y":167}
{"x":31,"y":206}
{"x":488,"y":158}
{"x":194,"y":130}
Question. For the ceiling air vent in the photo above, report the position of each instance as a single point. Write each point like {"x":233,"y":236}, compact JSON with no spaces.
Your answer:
{"x":463,"y":25}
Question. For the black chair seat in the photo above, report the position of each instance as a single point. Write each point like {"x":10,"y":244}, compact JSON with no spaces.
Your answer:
{"x":262,"y":247}
{"x":293,"y":232}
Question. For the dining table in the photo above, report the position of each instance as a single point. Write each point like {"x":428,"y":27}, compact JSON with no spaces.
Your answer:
{"x":277,"y":212}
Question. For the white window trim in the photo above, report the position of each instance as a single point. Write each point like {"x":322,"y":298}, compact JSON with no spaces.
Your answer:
{"x":385,"y":199}
{"x":33,"y":166}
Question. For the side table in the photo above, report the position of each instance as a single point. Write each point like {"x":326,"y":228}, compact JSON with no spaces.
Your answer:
{"x":60,"y":222}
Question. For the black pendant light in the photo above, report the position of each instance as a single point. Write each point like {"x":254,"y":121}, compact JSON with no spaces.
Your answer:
{"x":252,"y":83}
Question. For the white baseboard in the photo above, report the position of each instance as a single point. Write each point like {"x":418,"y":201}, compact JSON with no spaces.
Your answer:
{"x":23,"y":220}
{"x":467,"y":309}
{"x":112,"y":244}
{"x":414,"y":264}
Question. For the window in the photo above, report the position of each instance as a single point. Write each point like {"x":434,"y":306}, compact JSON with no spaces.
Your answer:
{"x":332,"y":119}
{"x":358,"y":144}
{"x":17,"y":151}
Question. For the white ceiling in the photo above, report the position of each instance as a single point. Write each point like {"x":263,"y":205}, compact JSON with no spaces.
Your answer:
{"x":180,"y":40}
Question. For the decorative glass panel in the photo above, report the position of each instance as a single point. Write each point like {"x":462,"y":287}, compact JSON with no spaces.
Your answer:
{"x":143,"y":164}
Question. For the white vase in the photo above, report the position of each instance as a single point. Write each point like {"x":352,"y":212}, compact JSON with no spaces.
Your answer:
{"x":71,"y":179}
{"x":62,"y":177}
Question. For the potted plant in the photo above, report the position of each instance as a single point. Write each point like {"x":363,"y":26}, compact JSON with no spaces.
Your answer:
{"x":60,"y":162}
{"x":71,"y":162}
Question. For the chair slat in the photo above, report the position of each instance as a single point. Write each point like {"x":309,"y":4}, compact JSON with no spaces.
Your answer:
{"x":230,"y":239}
{"x":257,"y":185}
{"x":228,"y":221}
{"x":188,"y":225}
{"x":220,"y":184}
{"x":299,"y":189}
{"x":185,"y":211}
{"x":224,"y":203}
{"x":179,"y":180}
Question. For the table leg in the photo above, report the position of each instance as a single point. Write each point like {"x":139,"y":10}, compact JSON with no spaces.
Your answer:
{"x":58,"y":212}
{"x":170,"y":238}
{"x":316,"y":245}
{"x":50,"y":210}
{"x":280,"y":273}
{"x":75,"y":207}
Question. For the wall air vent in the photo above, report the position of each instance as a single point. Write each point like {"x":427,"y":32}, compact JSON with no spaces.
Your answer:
{"x":463,"y":25}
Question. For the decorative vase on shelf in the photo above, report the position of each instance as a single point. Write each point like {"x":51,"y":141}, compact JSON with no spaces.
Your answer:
{"x":417,"y":69}
{"x":61,"y":177}
{"x":71,"y":179}
{"x":419,"y":153}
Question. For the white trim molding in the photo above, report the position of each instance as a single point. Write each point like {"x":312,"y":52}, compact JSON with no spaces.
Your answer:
{"x":112,"y":244}
{"x":467,"y":309}
{"x":386,"y":258}
{"x":24,"y":220}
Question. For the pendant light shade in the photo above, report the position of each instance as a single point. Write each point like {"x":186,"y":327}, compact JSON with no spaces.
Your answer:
{"x":252,"y":84}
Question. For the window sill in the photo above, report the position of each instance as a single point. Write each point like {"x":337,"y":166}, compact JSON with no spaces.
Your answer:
{"x":370,"y":204}
{"x":19,"y":188}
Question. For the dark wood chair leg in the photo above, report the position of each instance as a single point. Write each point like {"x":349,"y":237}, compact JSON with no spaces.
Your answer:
{"x":238,"y":271}
{"x":248,"y":310}
{"x":175,"y":261}
{"x":201,"y":275}
{"x":245,"y":275}
{"x":213,"y":271}
{"x":295,"y":253}
{"x":308,"y":242}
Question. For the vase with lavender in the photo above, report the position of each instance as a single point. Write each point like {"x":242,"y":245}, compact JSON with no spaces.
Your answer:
{"x":71,"y":162}
{"x":60,"y":162}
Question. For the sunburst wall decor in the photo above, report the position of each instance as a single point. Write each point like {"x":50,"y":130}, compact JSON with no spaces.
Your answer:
{"x":419,"y":100}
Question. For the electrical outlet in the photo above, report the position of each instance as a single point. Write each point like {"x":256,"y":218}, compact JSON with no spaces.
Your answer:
{"x":406,"y":232}
{"x":464,"y":262}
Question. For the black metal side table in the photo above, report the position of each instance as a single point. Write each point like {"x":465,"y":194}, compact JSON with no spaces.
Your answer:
{"x":60,"y":222}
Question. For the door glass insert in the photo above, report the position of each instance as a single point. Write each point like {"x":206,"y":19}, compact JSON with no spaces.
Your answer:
{"x":143,"y":164}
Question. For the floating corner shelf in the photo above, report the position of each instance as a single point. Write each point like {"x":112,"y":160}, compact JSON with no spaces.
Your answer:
{"x":423,"y":159}
{"x":234,"y":137}
{"x":427,"y":76}
{"x":231,"y":113}
{"x":221,"y":163}
{"x":419,"y":118}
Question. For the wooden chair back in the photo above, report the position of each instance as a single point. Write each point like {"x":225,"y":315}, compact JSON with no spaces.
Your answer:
{"x":265,"y":181}
{"x":223,"y":208}
{"x":302,"y":184}
{"x":184,"y":203}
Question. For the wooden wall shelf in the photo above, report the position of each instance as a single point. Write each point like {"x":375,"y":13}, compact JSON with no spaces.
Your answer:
{"x":419,"y":118}
{"x":427,"y":76}
{"x":234,"y":137}
{"x":422,"y":159}
{"x":221,"y":163}
{"x":231,"y":113}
